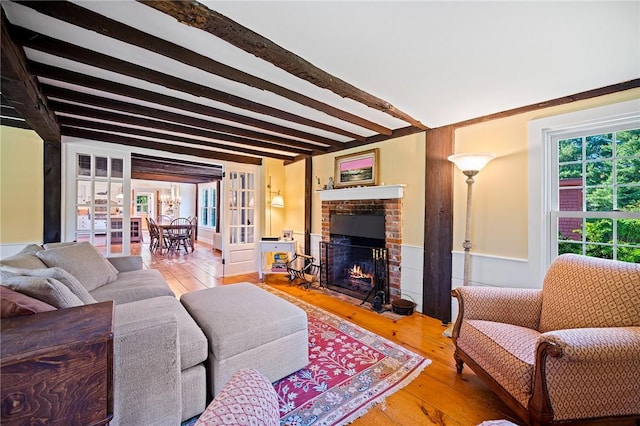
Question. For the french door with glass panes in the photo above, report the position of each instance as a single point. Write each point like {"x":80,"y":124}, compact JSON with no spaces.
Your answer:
{"x":97,"y":198}
{"x":240,"y":219}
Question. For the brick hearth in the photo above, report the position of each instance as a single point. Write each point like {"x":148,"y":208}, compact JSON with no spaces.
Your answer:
{"x":392,"y":210}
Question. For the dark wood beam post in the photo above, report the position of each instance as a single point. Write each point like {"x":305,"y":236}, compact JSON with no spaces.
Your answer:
{"x":21,"y":89}
{"x":438,"y":224}
{"x":52,"y":200}
{"x":308,"y":197}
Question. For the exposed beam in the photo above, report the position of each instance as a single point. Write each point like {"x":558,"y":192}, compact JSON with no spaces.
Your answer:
{"x":197,"y":15}
{"x":167,"y":177}
{"x":403,"y":131}
{"x":438,"y":224}
{"x":200,"y":124}
{"x":169,"y":127}
{"x":141,"y":143}
{"x":111,"y":127}
{"x":21,"y":89}
{"x":91,"y":82}
{"x":85,"y":18}
{"x":79,"y":54}
{"x":619,"y":87}
{"x":13,"y":122}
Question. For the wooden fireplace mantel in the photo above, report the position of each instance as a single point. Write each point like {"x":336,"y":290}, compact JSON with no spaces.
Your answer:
{"x":381,"y":192}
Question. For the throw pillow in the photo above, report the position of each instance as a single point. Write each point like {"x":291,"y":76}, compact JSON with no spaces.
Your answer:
{"x":47,"y":290}
{"x":83,"y":261}
{"x":14,"y":304}
{"x":58,"y":274}
{"x":247,"y":399}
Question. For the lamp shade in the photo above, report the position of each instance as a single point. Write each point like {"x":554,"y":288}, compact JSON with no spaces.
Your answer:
{"x":472,"y":161}
{"x":277,"y":201}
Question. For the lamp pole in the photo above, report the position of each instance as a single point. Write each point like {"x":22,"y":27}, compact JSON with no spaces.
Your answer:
{"x":467,"y":230}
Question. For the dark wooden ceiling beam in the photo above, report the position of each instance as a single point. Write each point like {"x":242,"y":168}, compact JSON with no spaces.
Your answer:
{"x":111,"y":127}
{"x":21,"y":89}
{"x":85,"y":18}
{"x":169,"y":177}
{"x":96,"y":83}
{"x":194,"y":126}
{"x":43,"y":43}
{"x":149,"y":167}
{"x":197,"y":15}
{"x":158,"y":146}
{"x":163,"y":126}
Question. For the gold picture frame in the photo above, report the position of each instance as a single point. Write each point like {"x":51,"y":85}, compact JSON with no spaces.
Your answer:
{"x":359,"y":169}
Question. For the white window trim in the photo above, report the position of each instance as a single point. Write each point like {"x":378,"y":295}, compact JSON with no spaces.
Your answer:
{"x":541,"y":132}
{"x":201,"y":188}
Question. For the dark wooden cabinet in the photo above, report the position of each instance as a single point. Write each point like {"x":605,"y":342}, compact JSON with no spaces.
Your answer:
{"x":57,"y":367}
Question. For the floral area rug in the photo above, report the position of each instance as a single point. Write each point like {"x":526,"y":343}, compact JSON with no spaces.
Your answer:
{"x":350,"y":370}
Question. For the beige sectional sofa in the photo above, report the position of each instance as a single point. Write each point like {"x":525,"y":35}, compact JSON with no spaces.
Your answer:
{"x":159,"y":350}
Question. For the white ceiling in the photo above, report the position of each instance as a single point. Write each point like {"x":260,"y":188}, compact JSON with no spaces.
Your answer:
{"x":440,"y":62}
{"x":447,"y":61}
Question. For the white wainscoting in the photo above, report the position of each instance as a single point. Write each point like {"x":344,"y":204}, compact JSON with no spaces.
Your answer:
{"x":487,"y":270}
{"x":411,"y":279}
{"x":10,"y":249}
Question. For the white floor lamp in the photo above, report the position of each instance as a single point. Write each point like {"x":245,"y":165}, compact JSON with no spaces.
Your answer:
{"x":470,"y":164}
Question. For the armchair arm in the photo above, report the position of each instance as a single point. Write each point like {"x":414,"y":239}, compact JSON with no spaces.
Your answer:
{"x":517,"y":306}
{"x":594,"y":344}
{"x":126,"y":263}
{"x":147,"y":387}
{"x":586,"y":373}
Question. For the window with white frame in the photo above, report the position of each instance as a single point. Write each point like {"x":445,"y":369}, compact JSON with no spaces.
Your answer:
{"x":209,"y":205}
{"x":595,"y":194}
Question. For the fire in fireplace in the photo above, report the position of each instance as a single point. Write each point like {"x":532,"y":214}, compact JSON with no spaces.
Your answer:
{"x":358,"y":271}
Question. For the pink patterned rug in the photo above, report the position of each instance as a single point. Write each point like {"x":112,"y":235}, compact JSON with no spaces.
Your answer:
{"x":350,"y":370}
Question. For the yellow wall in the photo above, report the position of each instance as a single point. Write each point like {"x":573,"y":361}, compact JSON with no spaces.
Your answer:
{"x":402,"y":161}
{"x":500,"y":194}
{"x":294,"y":199}
{"x":21,"y":186}
{"x":274,"y":218}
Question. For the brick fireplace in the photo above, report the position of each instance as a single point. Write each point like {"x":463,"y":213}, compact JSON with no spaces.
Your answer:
{"x":354,"y":201}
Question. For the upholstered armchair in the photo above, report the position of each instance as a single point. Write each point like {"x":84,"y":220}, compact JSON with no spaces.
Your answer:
{"x":569,"y":352}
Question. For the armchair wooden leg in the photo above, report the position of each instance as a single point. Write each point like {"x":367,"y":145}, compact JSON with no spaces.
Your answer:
{"x":459,"y":362}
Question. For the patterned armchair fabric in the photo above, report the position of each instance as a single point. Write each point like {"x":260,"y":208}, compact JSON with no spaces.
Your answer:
{"x":568,"y":352}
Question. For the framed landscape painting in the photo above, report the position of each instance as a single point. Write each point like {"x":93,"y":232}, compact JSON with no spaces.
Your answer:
{"x":359,"y":169}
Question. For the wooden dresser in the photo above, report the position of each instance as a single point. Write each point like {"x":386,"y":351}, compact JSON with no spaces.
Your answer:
{"x":57,"y":367}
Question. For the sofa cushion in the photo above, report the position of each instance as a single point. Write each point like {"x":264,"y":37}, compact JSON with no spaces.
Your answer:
{"x":247,"y":399}
{"x":48,"y":290}
{"x":83,"y":261}
{"x":14,"y":304}
{"x":56,"y":273}
{"x":193,"y":343}
{"x":587,"y":292}
{"x":506,"y":352}
{"x":132,"y":286}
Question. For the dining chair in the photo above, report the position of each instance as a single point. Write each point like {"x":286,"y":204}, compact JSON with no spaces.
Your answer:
{"x":154,"y":236}
{"x":192,"y":232}
{"x":163,"y":218}
{"x":179,"y":234}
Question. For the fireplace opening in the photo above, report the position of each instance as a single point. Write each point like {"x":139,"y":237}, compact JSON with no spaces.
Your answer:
{"x":354,"y":261}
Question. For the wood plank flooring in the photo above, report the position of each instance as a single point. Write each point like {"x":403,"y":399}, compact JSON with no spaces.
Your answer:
{"x":438,"y":396}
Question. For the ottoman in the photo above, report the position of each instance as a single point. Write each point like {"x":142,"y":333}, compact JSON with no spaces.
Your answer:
{"x":248,"y":327}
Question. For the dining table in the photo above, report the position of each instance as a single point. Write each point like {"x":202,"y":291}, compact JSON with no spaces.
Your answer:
{"x":166,"y":226}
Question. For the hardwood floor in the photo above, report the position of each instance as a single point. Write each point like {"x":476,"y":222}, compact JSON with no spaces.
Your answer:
{"x":438,"y":396}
